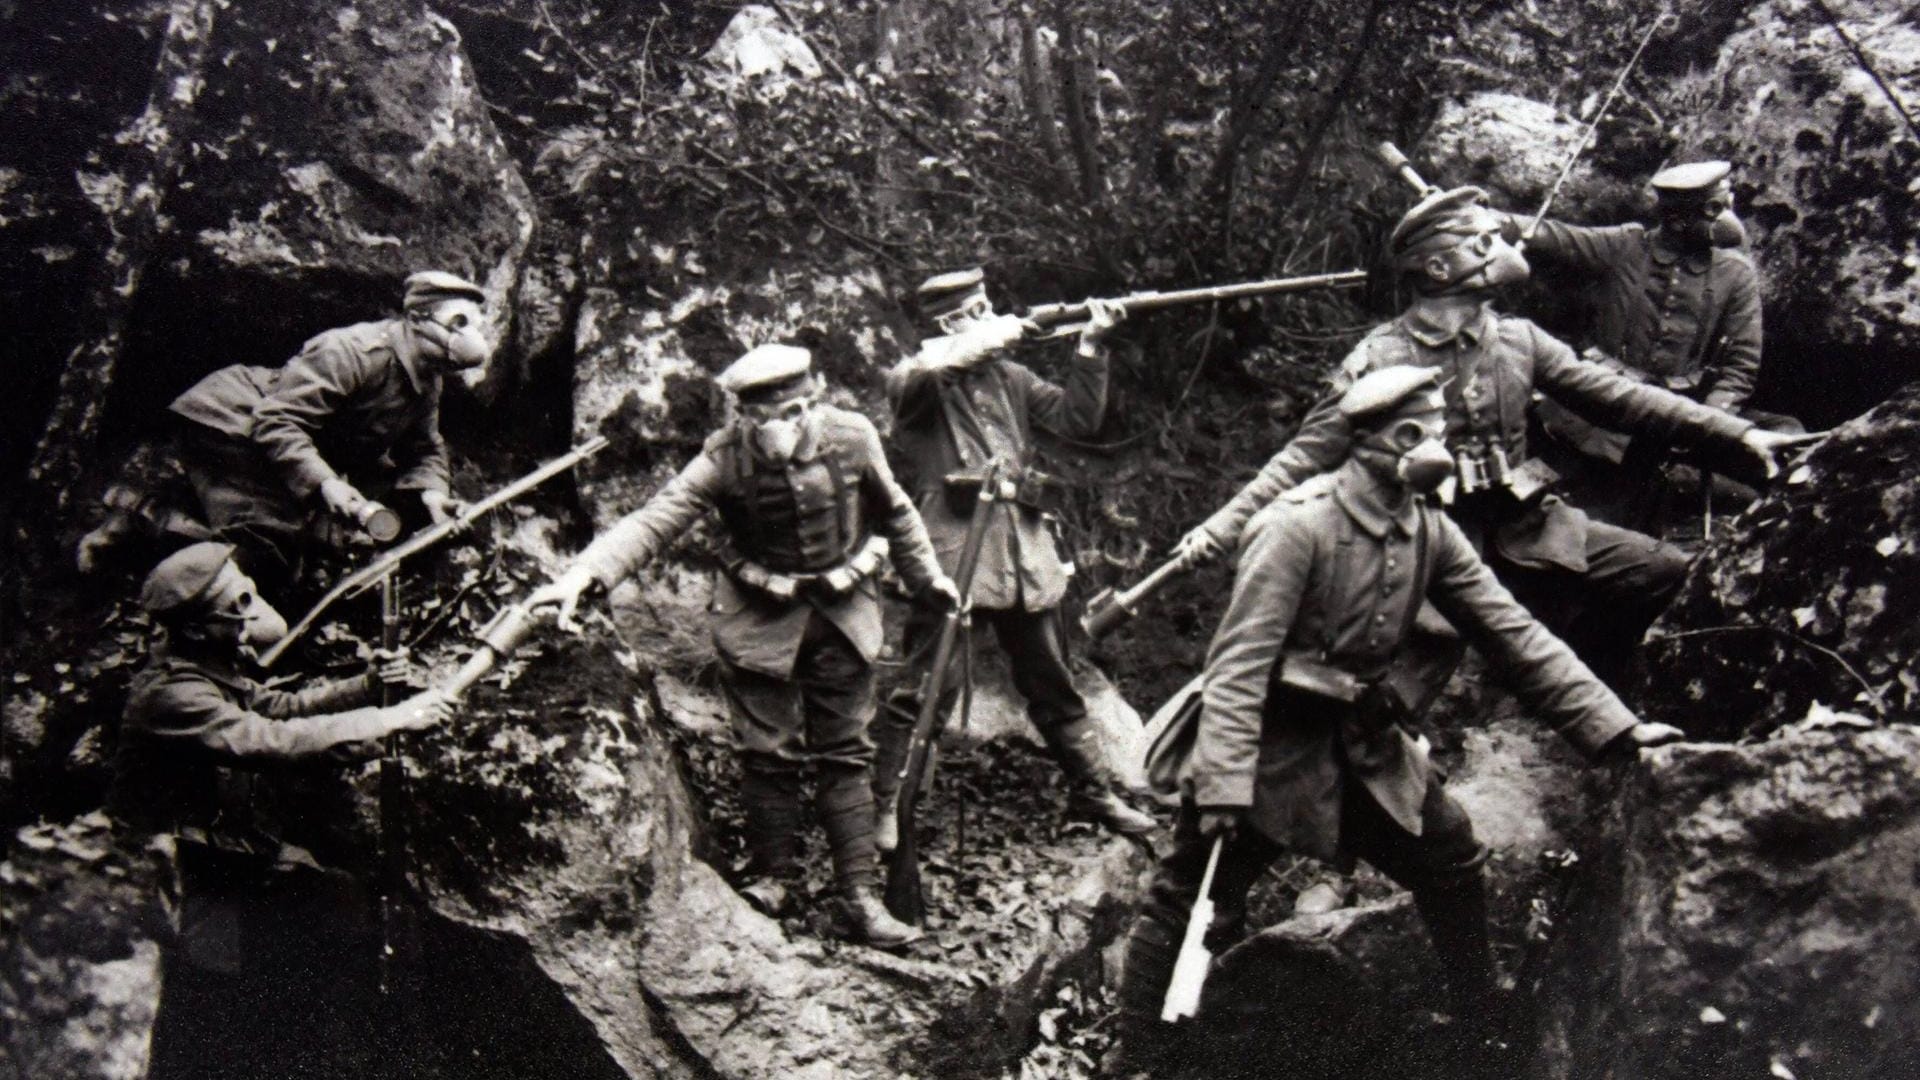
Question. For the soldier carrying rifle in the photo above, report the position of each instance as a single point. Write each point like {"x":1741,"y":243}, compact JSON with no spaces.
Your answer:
{"x":809,"y":510}
{"x":1598,"y":585}
{"x":960,"y":404}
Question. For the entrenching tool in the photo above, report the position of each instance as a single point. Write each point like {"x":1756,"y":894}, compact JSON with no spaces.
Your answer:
{"x":389,"y":561}
{"x":1190,"y":968}
{"x":904,"y":897}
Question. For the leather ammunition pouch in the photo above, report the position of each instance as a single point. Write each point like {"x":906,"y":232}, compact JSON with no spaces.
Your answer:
{"x":1372,"y":705}
{"x":1032,"y":489}
{"x":831,"y":583}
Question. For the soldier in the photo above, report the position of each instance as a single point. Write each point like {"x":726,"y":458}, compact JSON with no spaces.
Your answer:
{"x":1598,"y":585}
{"x":1299,"y":745}
{"x":261,"y":445}
{"x":198,"y":733}
{"x":959,"y":404}
{"x":802,"y":488}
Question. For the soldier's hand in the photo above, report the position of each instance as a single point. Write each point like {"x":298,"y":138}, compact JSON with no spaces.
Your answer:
{"x":421,"y":711}
{"x":1220,"y":823}
{"x":943,"y":591}
{"x":396,"y":669}
{"x":442,"y":507}
{"x":1196,"y":548}
{"x":341,"y":497}
{"x":1767,"y":445}
{"x":1102,"y":317}
{"x":1644,"y":734}
{"x":565,"y":591}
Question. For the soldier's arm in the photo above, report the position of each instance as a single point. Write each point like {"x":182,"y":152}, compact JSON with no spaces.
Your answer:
{"x":1618,"y":402}
{"x":311,"y":388}
{"x":197,"y":712}
{"x":1275,"y":563}
{"x":319,"y":697}
{"x":1542,"y":672}
{"x":894,"y":516}
{"x":637,"y":538}
{"x":914,"y":392}
{"x":1733,"y":364}
{"x":1587,"y":246}
{"x":1077,"y":409}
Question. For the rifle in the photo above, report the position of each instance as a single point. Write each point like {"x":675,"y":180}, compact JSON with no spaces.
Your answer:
{"x":1067,"y":319}
{"x":1108,"y":609}
{"x":904,"y":897}
{"x":367,"y":576}
{"x":392,"y":842}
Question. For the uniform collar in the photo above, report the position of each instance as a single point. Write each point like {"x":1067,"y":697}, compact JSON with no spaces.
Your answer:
{"x":1434,"y":321}
{"x":1664,"y":253}
{"x":1363,"y":498}
{"x":222,"y":669}
{"x":407,"y":351}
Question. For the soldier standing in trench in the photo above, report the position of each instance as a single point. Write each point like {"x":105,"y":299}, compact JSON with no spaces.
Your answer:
{"x":199,"y":744}
{"x":809,"y":507}
{"x":1677,"y":305}
{"x":960,"y":404}
{"x":1300,"y":745}
{"x":1597,"y":585}
{"x":264,"y":448}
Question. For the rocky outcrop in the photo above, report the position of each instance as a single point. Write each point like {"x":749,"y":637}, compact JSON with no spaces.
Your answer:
{"x":82,"y":917}
{"x":1809,"y":597}
{"x":1758,"y":913}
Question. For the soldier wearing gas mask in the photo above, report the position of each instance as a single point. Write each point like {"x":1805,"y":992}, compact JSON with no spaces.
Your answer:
{"x":961,"y":403}
{"x":1299,"y":745}
{"x":358,"y":407}
{"x":809,"y":510}
{"x":1597,"y":585}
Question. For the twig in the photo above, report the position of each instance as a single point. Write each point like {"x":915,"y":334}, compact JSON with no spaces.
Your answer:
{"x":1860,"y":58}
{"x":1879,"y":703}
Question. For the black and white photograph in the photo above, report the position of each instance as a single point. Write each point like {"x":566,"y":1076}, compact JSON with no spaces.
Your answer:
{"x":960,"y":540}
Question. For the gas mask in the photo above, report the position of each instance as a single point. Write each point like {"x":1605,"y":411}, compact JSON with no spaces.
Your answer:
{"x":1727,"y":230}
{"x":456,"y":331}
{"x":1484,"y":260}
{"x":235,"y":602}
{"x":776,"y":428}
{"x":1418,"y":451}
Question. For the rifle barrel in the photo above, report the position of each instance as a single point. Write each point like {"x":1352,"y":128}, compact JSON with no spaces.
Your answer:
{"x":1150,"y":300}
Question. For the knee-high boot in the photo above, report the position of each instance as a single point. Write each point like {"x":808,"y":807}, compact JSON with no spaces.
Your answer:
{"x":1076,"y":746}
{"x":1455,"y":911}
{"x":1142,"y":1041}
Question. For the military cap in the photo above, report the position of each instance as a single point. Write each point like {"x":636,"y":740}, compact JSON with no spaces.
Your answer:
{"x":183,"y":578}
{"x":767,"y":373}
{"x":945,"y":293}
{"x":1695,"y":180}
{"x":1437,"y":222}
{"x":432,"y":286}
{"x":1390,"y":392}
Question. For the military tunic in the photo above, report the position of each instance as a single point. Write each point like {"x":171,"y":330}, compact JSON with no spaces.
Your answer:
{"x":802,"y":517}
{"x":1689,"y":320}
{"x":1330,"y":570}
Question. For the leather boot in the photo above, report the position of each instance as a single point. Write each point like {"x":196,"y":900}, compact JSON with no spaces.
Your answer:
{"x":771,"y":800}
{"x":1455,"y":911}
{"x":864,"y":918}
{"x":1143,"y":1043}
{"x":843,"y":798}
{"x":1076,"y":745}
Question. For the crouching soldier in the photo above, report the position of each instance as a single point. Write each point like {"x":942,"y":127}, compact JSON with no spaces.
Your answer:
{"x":198,"y":744}
{"x":1299,"y":745}
{"x":809,"y":509}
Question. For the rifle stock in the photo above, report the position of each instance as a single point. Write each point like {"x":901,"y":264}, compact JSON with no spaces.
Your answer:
{"x":1151,"y":300}
{"x":904,"y":896}
{"x":388,"y":561}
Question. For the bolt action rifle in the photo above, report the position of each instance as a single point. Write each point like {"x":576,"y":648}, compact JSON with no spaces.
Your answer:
{"x":374,"y":572}
{"x":1064,"y":319}
{"x":392,"y":835}
{"x":904,"y":897}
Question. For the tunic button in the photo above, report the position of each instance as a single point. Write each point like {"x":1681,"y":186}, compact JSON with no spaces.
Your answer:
{"x":1378,"y":619}
{"x":1392,"y":563}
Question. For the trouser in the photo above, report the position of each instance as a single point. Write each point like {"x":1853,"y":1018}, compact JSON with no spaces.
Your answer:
{"x":1604,"y":612}
{"x":814,"y":720}
{"x":1441,"y":868}
{"x":1035,"y":644}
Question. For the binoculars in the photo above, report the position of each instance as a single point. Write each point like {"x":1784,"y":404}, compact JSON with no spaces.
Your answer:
{"x":1482,"y":467}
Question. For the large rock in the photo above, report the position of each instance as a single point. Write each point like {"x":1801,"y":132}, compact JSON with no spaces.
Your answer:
{"x":1516,"y":148}
{"x":82,"y":916}
{"x":1826,"y":175}
{"x":1765,"y":913}
{"x":1809,"y":597}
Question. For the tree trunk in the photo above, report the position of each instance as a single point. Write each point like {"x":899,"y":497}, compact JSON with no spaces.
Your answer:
{"x":1036,"y":80}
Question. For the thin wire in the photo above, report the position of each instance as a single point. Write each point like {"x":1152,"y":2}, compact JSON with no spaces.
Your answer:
{"x":1861,"y":59}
